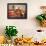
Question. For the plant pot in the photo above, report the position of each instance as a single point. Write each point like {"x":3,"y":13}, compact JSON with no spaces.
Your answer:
{"x":13,"y":38}
{"x":43,"y":23}
{"x":9,"y":41}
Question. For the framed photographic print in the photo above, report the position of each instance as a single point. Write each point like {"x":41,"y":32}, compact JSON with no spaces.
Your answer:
{"x":17,"y":11}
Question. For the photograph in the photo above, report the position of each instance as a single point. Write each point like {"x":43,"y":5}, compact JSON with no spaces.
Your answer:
{"x":17,"y":11}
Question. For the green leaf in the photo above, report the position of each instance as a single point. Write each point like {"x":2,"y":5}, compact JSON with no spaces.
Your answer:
{"x":40,"y":18}
{"x":45,"y":17}
{"x":10,"y":31}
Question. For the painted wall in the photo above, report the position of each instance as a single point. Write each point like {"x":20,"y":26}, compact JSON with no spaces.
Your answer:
{"x":28,"y":26}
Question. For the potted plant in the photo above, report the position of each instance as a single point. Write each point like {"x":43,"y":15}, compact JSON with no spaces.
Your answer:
{"x":11,"y":31}
{"x":42,"y":19}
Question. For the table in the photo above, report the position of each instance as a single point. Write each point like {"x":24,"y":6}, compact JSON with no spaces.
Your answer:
{"x":25,"y":44}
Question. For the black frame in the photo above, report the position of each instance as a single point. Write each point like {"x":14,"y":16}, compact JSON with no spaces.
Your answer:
{"x":25,"y":17}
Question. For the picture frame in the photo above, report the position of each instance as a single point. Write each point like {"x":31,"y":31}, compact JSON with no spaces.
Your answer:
{"x":17,"y":10}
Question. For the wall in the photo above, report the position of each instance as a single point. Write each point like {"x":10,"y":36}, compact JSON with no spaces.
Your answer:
{"x":28,"y":26}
